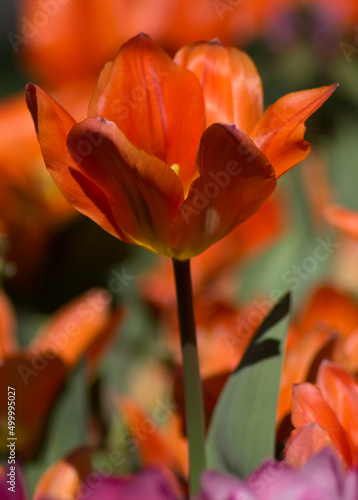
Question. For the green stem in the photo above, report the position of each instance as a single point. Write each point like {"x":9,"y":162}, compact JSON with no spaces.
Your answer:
{"x":194,"y":407}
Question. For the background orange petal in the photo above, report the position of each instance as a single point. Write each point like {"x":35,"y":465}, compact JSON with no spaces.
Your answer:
{"x":330,"y":310}
{"x":345,"y":352}
{"x":340,"y":390}
{"x":157,"y":442}
{"x":297,"y":364}
{"x":343,"y":218}
{"x":75,"y":327}
{"x":231,"y":84}
{"x":64,"y":478}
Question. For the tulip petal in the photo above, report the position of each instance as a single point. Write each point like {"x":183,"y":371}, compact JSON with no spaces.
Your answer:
{"x":308,"y":406}
{"x":235,"y":178}
{"x":52,"y":125}
{"x":75,"y":327}
{"x":279,"y":134}
{"x":157,"y":444}
{"x":158,"y":105}
{"x":105,"y":336}
{"x":305,"y":442}
{"x":231,"y":84}
{"x":346,"y":352}
{"x":298,"y":361}
{"x":331,"y":311}
{"x":340,"y":390}
{"x":143,"y":192}
{"x":343,"y":218}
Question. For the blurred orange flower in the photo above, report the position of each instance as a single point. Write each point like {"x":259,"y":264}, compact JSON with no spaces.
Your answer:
{"x":133,"y":171}
{"x":326,"y":327}
{"x":325,"y":414}
{"x":66,"y":477}
{"x":156,"y":436}
{"x":31,"y":206}
{"x":38,"y":372}
{"x":52,"y":40}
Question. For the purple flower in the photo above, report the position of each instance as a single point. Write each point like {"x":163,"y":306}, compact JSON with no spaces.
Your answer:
{"x":322,"y":478}
{"x":151,"y":484}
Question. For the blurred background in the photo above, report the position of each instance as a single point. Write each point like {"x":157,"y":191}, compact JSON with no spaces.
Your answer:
{"x":50,"y":255}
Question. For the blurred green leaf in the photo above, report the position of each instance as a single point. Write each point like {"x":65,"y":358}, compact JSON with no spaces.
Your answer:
{"x":242,"y":430}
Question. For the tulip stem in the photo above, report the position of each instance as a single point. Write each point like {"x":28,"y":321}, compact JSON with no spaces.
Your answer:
{"x":193,"y":393}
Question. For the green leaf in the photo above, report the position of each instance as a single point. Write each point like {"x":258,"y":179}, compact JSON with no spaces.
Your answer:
{"x":243,"y":426}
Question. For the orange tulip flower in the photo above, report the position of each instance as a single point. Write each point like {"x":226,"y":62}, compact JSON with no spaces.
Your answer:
{"x":151,"y":166}
{"x":325,"y":414}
